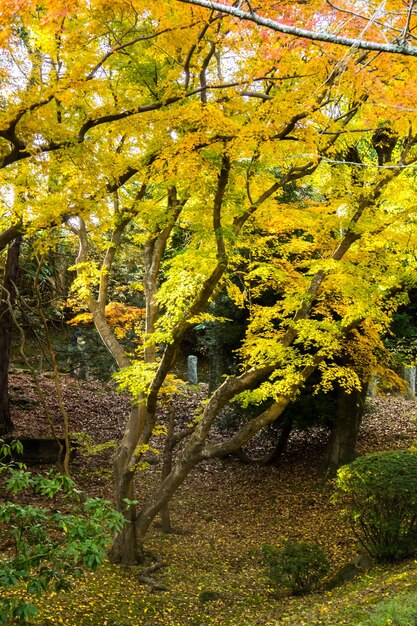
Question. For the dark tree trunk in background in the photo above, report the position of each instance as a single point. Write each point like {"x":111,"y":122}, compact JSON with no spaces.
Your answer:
{"x":7,"y":297}
{"x":216,"y":370}
{"x":282,"y":442}
{"x":278,"y":450}
{"x":342,"y":445}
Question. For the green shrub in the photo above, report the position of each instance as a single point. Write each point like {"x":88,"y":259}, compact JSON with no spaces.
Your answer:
{"x":299,"y":567}
{"x":44,"y":545}
{"x":379,"y":494}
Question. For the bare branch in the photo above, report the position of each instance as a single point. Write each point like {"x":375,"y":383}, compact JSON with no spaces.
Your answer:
{"x":365,"y":18}
{"x":407,"y":24}
{"x":203,"y":78}
{"x":401,"y":48}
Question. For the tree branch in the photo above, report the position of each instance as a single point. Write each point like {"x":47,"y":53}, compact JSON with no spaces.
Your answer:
{"x":403,"y":40}
{"x":10,"y":233}
{"x":107,"y":336}
{"x":111,"y":252}
{"x":401,"y":48}
{"x":248,"y":430}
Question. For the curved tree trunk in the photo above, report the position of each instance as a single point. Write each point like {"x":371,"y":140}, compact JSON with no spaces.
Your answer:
{"x":274,"y":455}
{"x":341,"y":448}
{"x":164,"y":493}
{"x":197,"y":448}
{"x":7,"y":298}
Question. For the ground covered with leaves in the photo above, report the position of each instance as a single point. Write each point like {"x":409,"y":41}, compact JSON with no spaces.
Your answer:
{"x":213,"y":571}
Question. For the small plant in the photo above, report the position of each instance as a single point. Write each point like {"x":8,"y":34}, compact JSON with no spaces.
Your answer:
{"x":379,"y":494}
{"x":43,"y":546}
{"x":300,"y":567}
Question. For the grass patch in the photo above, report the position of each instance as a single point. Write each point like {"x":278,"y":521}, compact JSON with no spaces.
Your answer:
{"x":399,"y":611}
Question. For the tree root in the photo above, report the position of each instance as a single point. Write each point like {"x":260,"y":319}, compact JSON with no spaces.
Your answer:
{"x":144,"y":577}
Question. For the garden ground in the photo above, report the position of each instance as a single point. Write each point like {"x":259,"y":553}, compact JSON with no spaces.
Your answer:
{"x":222,"y":516}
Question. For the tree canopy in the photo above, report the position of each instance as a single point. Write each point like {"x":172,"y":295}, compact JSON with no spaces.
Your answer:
{"x":218,"y":157}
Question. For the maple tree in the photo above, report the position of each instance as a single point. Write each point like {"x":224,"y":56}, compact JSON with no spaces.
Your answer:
{"x":132,"y":123}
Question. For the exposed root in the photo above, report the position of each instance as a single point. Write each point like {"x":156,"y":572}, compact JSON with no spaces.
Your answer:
{"x":144,"y":577}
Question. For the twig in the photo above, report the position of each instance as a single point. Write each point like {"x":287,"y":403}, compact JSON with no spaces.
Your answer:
{"x":407,"y":24}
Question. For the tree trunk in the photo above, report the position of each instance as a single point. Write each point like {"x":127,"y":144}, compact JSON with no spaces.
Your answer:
{"x":215,"y":371}
{"x":164,"y":493}
{"x":194,"y":452}
{"x":342,"y":444}
{"x":126,"y":549}
{"x":166,"y":470}
{"x":7,"y":298}
{"x":276,"y":452}
{"x":281,"y":444}
{"x":197,"y":449}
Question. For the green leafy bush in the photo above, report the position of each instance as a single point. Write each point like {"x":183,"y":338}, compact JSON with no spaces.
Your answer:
{"x":44,"y":545}
{"x":299,"y":567}
{"x":379,"y":494}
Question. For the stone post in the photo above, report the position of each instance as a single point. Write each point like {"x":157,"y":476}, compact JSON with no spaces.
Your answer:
{"x":410,"y":379}
{"x":192,"y":369}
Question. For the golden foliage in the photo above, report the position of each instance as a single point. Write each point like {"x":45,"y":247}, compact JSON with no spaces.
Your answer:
{"x":122,"y":318}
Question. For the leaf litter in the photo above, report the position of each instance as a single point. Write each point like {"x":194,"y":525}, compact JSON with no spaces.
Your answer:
{"x":222,"y":514}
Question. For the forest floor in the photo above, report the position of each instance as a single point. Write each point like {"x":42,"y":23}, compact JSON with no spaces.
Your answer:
{"x":222,"y":516}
